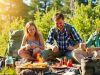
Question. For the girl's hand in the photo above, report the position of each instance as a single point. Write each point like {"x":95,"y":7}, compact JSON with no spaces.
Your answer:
{"x":27,"y":46}
{"x":33,"y":45}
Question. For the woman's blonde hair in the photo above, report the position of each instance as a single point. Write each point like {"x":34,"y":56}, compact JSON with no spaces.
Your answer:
{"x":37,"y":33}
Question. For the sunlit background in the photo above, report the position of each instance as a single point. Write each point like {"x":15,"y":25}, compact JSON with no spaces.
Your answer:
{"x":27,"y":1}
{"x":84,"y":15}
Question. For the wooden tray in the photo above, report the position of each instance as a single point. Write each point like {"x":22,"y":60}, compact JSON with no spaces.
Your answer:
{"x":36,"y":69}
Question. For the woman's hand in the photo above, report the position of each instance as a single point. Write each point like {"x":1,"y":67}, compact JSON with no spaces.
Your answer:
{"x":90,"y":49}
{"x":33,"y":45}
{"x":27,"y":46}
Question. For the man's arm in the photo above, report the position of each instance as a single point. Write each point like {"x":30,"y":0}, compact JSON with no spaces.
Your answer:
{"x":50,"y":39}
{"x":76,"y":36}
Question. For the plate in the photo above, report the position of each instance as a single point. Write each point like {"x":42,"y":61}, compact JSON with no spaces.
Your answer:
{"x":59,"y":67}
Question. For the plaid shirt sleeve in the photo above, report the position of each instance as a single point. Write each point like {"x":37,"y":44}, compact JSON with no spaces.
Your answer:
{"x":50,"y":38}
{"x":76,"y":35}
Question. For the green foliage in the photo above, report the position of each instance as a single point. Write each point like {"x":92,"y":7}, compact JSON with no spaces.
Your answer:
{"x":44,"y":22}
{"x":66,"y":7}
{"x":86,"y":19}
{"x":57,"y":4}
{"x":8,"y":71}
{"x":17,"y":23}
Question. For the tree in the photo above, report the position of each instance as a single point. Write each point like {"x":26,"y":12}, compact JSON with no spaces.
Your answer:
{"x":68,"y":6}
{"x":44,"y":22}
{"x":57,"y":4}
{"x":85,"y":19}
{"x":34,"y":6}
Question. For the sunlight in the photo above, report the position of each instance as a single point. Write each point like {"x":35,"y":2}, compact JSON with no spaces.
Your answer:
{"x":3,"y":2}
{"x":27,"y":1}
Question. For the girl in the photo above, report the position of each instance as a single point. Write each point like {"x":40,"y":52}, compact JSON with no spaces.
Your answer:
{"x":32,"y":42}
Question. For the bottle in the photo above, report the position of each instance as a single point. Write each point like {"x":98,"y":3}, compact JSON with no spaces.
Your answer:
{"x":69,"y":63}
{"x":61,"y":62}
{"x":9,"y":61}
{"x":65,"y":61}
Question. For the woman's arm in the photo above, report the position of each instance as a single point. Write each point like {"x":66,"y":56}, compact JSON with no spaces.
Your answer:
{"x":24,"y":44}
{"x":96,"y":48}
{"x":90,"y":49}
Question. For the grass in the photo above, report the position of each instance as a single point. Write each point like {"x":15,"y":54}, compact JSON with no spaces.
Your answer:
{"x":8,"y":71}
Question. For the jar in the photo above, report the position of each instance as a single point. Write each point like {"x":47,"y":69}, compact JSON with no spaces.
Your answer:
{"x":9,"y":61}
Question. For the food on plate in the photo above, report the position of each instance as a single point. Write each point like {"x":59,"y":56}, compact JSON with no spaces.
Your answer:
{"x":40,"y":64}
{"x":28,"y":65}
{"x":57,"y":65}
{"x":34,"y":65}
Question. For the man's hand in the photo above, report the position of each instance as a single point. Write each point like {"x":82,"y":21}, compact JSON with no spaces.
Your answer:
{"x":55,"y":49}
{"x":70,"y":48}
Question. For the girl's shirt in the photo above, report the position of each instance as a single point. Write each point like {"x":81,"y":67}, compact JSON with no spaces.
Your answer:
{"x":35,"y":42}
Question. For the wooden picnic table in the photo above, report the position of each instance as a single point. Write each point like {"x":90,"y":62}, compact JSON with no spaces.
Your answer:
{"x":49,"y":70}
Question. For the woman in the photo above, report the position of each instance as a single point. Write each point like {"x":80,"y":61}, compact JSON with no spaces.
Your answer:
{"x":32,"y":42}
{"x":89,"y":49}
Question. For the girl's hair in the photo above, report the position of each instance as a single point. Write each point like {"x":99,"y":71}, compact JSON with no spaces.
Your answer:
{"x":28,"y":24}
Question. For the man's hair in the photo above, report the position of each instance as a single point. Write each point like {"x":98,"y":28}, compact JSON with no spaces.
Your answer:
{"x":58,"y":16}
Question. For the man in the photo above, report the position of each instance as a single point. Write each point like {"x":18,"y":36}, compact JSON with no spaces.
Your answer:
{"x":59,"y":41}
{"x":87,"y":50}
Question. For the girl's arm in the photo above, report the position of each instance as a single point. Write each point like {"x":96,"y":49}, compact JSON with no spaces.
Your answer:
{"x":24,"y":44}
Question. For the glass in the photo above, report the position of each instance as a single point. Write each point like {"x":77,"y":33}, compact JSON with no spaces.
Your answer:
{"x":9,"y":61}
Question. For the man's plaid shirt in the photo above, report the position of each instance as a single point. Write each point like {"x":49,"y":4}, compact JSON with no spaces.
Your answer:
{"x":63,"y":39}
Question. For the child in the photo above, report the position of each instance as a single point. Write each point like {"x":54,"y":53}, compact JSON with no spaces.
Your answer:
{"x":32,"y":42}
